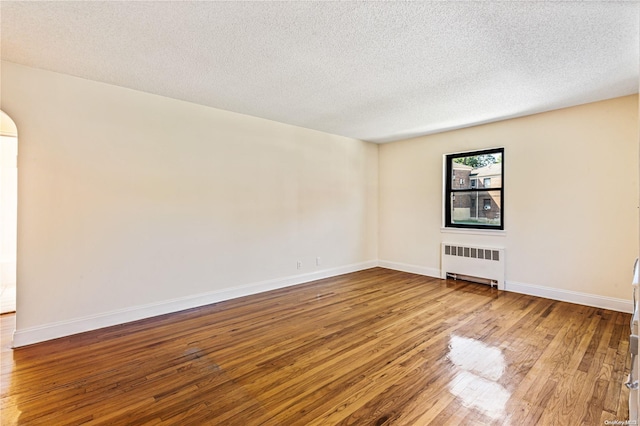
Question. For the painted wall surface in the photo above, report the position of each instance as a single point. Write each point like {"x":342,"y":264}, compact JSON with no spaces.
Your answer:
{"x":128,"y":199}
{"x":7,"y":126}
{"x":8,"y":210}
{"x":571,"y":204}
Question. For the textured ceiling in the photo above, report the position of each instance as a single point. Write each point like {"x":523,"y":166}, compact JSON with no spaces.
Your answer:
{"x":372,"y":71}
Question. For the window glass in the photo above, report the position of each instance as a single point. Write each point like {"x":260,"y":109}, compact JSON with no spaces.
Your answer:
{"x":474,"y":193}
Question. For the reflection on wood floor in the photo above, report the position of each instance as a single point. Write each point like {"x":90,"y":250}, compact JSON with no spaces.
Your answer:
{"x":373,"y":347}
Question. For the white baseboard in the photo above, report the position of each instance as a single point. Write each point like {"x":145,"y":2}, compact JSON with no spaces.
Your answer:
{"x":413,"y":269}
{"x":29,"y":336}
{"x":597,"y":301}
{"x":620,"y":305}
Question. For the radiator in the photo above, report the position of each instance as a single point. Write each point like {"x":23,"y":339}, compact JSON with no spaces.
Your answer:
{"x":473,"y":262}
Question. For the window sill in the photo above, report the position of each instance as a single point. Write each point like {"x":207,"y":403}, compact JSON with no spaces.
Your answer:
{"x":492,"y":232}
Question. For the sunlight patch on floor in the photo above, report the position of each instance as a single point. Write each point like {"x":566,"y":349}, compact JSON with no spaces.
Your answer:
{"x":480,"y":366}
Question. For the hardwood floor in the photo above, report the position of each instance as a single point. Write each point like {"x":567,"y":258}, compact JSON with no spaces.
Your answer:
{"x":375,"y":347}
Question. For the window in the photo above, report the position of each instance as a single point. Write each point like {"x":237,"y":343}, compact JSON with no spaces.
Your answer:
{"x":478,"y":204}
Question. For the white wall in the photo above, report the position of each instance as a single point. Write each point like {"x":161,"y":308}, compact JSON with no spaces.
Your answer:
{"x":8,"y":212}
{"x":8,"y":218}
{"x":132,"y":204}
{"x":571,"y":205}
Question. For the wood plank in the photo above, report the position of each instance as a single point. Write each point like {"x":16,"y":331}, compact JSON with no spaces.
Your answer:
{"x":372,"y":347}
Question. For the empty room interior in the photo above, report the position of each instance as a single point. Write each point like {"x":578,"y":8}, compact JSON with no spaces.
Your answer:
{"x":319,"y":213}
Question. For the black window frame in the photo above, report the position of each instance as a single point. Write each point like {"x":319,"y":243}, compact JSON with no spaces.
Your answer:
{"x":449,"y":190}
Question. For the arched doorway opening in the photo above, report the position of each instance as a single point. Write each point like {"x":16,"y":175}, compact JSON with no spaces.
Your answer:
{"x":8,"y":212}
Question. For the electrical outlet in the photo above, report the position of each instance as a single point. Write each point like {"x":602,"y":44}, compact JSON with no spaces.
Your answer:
{"x":299,"y":264}
{"x":318,"y":261}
